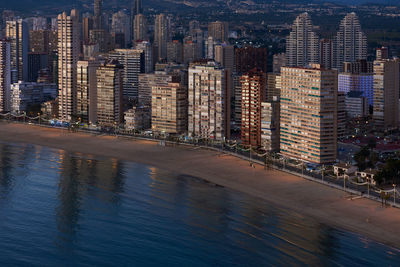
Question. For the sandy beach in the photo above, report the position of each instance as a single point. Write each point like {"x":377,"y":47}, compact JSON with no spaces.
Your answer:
{"x":326,"y":205}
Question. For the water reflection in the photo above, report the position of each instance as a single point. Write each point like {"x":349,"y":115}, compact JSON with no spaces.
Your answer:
{"x":7,"y":160}
{"x":81,"y":177}
{"x":57,"y":207}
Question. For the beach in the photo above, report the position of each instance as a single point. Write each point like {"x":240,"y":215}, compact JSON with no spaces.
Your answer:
{"x":327,"y":205}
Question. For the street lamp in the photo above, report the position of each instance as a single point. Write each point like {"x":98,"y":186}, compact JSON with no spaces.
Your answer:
{"x":394,"y":194}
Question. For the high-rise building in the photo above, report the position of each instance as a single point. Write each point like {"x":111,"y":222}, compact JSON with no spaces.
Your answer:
{"x":248,"y":58}
{"x":137,"y":7}
{"x":209,"y":101}
{"x":237,"y":95}
{"x":18,"y":35}
{"x":309,"y":114}
{"x":36,"y":62}
{"x":190,"y":52}
{"x":102,"y":38}
{"x":147,"y":49}
{"x":109,"y":94}
{"x":254,"y":85}
{"x":279,"y":61}
{"x":219,"y":31}
{"x":326,"y":53}
{"x":132,"y":61}
{"x":341,"y":114}
{"x":175,"y":52}
{"x":121,"y":26}
{"x":209,"y":46}
{"x":382,"y":53}
{"x":159,"y":78}
{"x":350,"y":43}
{"x":386,"y":94}
{"x":357,"y":76}
{"x":194,"y":25}
{"x":270,"y":124}
{"x":140,"y":28}
{"x":225,"y":55}
{"x":98,"y":20}
{"x":169,"y":107}
{"x":302,"y":45}
{"x":68,"y":53}
{"x":161,"y":36}
{"x":356,"y":105}
{"x":273,"y":86}
{"x":5,"y":76}
{"x":43,"y":41}
{"x":87,"y":90}
{"x":87,"y":26}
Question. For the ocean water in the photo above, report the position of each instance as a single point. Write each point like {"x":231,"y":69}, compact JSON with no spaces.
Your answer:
{"x":62,"y":209}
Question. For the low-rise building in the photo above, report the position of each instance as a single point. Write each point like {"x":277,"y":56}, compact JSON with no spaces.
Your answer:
{"x":341,"y":169}
{"x":26,"y":94}
{"x":138,"y":118}
{"x":368,"y":175}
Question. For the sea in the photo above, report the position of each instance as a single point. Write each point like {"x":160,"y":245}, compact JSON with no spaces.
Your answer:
{"x":69,"y":209}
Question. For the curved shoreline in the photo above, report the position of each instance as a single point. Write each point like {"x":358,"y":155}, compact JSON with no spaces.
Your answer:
{"x":325,"y":204}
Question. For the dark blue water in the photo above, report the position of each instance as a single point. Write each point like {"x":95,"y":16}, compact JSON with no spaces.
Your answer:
{"x":61,"y":209}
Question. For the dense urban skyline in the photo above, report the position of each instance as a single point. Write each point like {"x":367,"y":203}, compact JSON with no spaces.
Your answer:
{"x":256,"y":96}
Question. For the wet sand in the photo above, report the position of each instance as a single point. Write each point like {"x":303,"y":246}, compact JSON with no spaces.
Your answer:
{"x":326,"y":205}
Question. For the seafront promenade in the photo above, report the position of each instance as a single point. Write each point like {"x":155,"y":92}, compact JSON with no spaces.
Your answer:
{"x":326,"y":204}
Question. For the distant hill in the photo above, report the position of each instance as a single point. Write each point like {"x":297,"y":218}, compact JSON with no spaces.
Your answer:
{"x":48,"y":6}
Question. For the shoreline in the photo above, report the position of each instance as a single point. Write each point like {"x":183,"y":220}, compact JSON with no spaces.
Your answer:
{"x":325,"y":204}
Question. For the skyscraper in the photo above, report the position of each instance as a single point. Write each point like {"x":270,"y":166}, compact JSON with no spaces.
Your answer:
{"x":147,"y":49}
{"x":169,"y":107}
{"x":253,"y":93}
{"x":302,"y":45}
{"x":209,"y":101}
{"x":17,"y":33}
{"x":121,"y":26}
{"x":350,"y":43}
{"x":137,"y":7}
{"x":309,"y":114}
{"x":326,"y":53}
{"x":132,"y":61}
{"x":87,"y":26}
{"x":5,"y":76}
{"x":87,"y":90}
{"x":109,"y":94}
{"x":386,"y":94}
{"x":219,"y":31}
{"x":248,"y":58}
{"x":68,"y":53}
{"x":270,"y":123}
{"x":140,"y":28}
{"x":161,"y":36}
{"x":98,"y":15}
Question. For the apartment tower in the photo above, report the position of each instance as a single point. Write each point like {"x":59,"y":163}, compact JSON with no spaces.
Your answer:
{"x":309,"y":114}
{"x":68,"y":53}
{"x":109,"y":94}
{"x":253,"y":93}
{"x":302,"y":45}
{"x":350,"y":43}
{"x":18,"y":35}
{"x":386,"y":94}
{"x":209,"y":101}
{"x":5,"y":76}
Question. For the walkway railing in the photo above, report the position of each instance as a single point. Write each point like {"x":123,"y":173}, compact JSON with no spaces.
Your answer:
{"x":265,"y":159}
